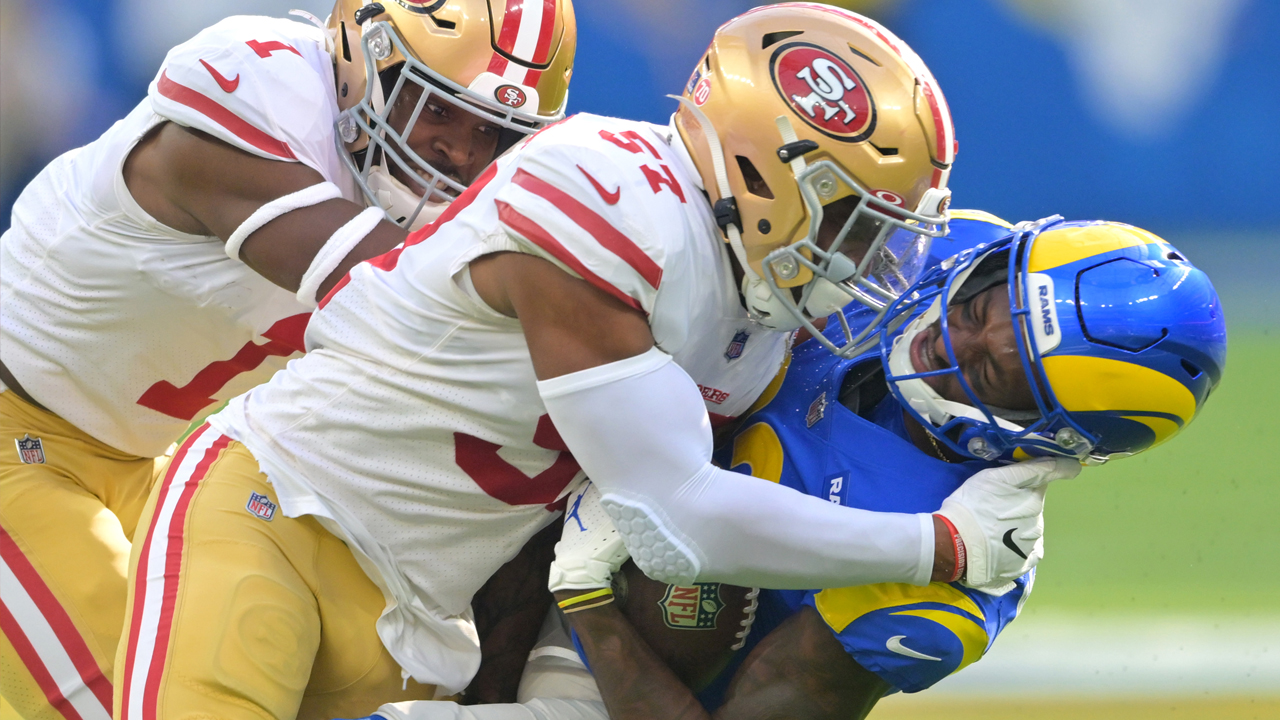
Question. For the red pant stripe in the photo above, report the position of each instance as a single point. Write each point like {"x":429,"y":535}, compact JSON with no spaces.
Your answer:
{"x":31,"y":659}
{"x":83,"y":673}
{"x":158,"y":574}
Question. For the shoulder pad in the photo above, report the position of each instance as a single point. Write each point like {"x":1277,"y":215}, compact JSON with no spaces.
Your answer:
{"x":601,"y":200}
{"x":261,"y":84}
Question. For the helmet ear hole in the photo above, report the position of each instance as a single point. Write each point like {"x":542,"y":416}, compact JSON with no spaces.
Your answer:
{"x":774,"y":38}
{"x":755,"y":182}
{"x":1191,"y":369}
{"x":346,"y":47}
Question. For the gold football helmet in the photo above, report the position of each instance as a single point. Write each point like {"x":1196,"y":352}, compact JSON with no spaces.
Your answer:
{"x":798,"y":106}
{"x":507,"y":61}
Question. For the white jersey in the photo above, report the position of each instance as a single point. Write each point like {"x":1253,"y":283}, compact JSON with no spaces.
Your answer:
{"x":414,"y":423}
{"x":127,"y":328}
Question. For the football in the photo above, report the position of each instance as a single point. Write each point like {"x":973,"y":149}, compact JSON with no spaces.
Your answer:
{"x":694,"y":629}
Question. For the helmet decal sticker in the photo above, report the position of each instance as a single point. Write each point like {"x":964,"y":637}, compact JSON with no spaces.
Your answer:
{"x":510,"y":95}
{"x":693,"y":79}
{"x":890,"y":196}
{"x":421,"y":7}
{"x":824,"y":90}
{"x":1044,"y":311}
{"x":702,"y":92}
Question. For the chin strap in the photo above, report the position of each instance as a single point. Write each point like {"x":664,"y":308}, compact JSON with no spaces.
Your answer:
{"x":762,"y":305}
{"x":730,"y":220}
{"x":328,"y":35}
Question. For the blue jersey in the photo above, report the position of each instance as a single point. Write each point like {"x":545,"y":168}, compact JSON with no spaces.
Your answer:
{"x":829,"y":428}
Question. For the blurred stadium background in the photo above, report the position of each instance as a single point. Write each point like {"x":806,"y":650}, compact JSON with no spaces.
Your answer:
{"x":1160,"y":596}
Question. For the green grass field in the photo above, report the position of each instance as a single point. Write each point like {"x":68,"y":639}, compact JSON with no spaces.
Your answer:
{"x":1188,"y":528}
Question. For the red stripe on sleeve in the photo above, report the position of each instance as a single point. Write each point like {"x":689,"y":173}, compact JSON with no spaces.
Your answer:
{"x":388,"y":260}
{"x":56,"y":615}
{"x":536,"y":234}
{"x":599,"y":228}
{"x":172,"y":570}
{"x":235,"y":124}
{"x":31,"y":660}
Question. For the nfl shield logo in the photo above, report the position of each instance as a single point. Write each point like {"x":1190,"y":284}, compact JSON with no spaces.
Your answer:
{"x":692,"y":607}
{"x":261,"y":506}
{"x":817,"y":409}
{"x":734,"y":351}
{"x":30,"y":450}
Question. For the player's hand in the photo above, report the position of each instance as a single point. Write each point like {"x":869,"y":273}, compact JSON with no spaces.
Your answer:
{"x":590,"y":550}
{"x":999,"y":514}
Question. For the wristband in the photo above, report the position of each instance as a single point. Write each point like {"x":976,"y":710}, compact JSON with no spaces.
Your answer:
{"x":958,"y":544}
{"x":603,"y":596}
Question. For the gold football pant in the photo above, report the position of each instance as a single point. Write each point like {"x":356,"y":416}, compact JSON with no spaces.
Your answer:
{"x":236,"y":611}
{"x":68,"y":507}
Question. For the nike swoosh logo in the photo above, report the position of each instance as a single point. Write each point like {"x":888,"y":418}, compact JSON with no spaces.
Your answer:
{"x":228,"y":86}
{"x":1009,"y":543}
{"x":895,"y":646}
{"x":609,"y":197}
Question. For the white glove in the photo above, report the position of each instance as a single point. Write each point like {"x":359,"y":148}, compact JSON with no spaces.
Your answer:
{"x":590,"y":550}
{"x":999,"y":514}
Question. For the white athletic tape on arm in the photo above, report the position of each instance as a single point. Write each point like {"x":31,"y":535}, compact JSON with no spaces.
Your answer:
{"x":306,"y":197}
{"x":640,"y":430}
{"x":335,"y":250}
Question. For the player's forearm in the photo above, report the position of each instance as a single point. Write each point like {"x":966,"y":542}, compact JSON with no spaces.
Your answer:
{"x":639,"y":429}
{"x":509,"y":610}
{"x":634,"y":683}
{"x":760,"y":534}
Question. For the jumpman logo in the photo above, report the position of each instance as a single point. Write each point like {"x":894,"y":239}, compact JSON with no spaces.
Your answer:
{"x":573,"y":513}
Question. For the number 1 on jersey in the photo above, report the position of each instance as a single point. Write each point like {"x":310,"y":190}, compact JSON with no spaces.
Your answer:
{"x":185,"y":402}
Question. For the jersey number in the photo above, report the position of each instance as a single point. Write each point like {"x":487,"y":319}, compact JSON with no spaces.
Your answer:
{"x":501,"y":480}
{"x":634,"y":143}
{"x":264,"y":49}
{"x":184,"y":402}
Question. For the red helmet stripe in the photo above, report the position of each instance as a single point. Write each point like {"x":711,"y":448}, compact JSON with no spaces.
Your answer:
{"x":545,"y":30}
{"x":943,"y":128}
{"x":497,"y":64}
{"x":511,"y":19}
{"x":526,"y":36}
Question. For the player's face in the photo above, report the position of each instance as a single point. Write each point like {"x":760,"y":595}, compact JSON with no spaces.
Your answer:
{"x":458,"y":143}
{"x":986,"y":349}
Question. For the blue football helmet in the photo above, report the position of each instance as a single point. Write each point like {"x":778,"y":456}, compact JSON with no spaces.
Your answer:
{"x":1121,"y":338}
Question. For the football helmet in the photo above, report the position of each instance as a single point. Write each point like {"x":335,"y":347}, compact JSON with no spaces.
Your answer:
{"x":1121,"y":340}
{"x":797,"y":106}
{"x":506,"y":61}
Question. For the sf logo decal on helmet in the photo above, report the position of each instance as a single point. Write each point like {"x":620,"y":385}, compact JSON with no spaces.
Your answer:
{"x":510,"y":95}
{"x":824,"y":91}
